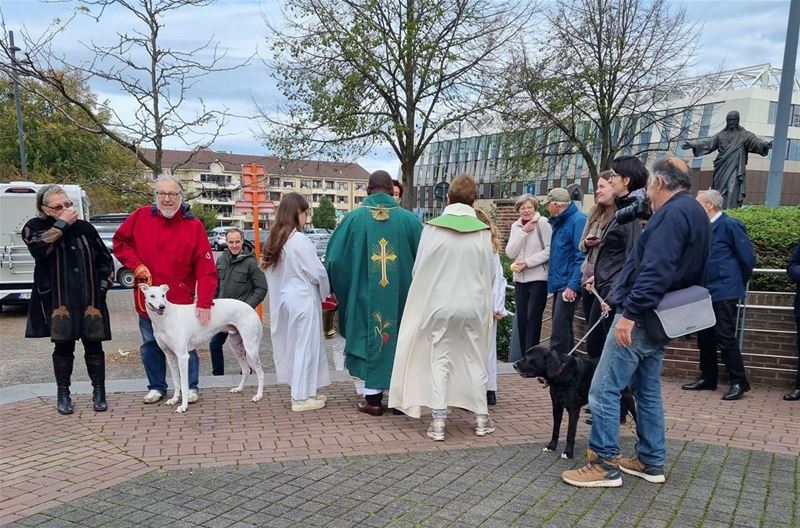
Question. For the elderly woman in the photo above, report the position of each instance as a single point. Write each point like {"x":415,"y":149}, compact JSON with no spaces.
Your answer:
{"x":529,"y":247}
{"x":68,"y":302}
{"x":444,"y":333}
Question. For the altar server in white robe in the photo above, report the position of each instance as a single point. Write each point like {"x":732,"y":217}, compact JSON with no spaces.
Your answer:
{"x":499,"y":307}
{"x":297,"y":283}
{"x":444,"y":334}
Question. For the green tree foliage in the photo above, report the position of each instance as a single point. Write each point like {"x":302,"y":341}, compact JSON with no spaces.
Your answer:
{"x":774,"y":232}
{"x":396,"y":72}
{"x":60,"y":152}
{"x":325,"y":215}
{"x":597,"y":77}
{"x":207,"y":215}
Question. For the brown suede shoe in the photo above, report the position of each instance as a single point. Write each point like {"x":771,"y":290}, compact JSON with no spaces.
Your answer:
{"x":374,"y":410}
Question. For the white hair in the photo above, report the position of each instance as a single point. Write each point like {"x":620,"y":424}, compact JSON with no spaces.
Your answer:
{"x":711,"y":197}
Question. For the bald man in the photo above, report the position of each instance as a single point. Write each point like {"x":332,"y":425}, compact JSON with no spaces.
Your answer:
{"x":669,"y":255}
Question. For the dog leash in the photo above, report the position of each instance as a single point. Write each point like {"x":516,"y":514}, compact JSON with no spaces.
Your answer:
{"x":603,"y":315}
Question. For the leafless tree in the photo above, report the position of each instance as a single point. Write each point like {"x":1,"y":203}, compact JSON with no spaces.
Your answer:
{"x":157,"y":78}
{"x":605,"y":76}
{"x":398,"y":72}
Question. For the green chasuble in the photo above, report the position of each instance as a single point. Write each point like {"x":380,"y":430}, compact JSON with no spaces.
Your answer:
{"x":369,"y":259}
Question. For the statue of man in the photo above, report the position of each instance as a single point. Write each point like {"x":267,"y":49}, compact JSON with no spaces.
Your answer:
{"x":733,"y":144}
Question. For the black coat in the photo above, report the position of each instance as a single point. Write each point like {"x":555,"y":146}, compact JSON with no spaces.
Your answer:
{"x":615,"y":244}
{"x":71,"y":277}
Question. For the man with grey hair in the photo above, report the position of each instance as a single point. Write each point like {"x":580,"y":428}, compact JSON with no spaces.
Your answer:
{"x":732,"y":143}
{"x":564,"y":271}
{"x":669,"y":255}
{"x":165,"y":243}
{"x":728,"y":269}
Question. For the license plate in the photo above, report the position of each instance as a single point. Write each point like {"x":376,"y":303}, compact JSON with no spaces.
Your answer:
{"x":26,"y":296}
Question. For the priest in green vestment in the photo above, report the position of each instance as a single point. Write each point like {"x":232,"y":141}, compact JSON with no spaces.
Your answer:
{"x":369,"y":259}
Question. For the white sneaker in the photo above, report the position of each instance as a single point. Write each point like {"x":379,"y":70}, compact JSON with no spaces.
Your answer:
{"x":310,"y":404}
{"x":320,"y":397}
{"x":483,"y":425}
{"x":192,"y":397}
{"x":436,"y":430}
{"x":153,"y":396}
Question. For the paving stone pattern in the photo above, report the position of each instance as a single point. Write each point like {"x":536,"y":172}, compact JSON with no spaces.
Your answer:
{"x":707,"y":486}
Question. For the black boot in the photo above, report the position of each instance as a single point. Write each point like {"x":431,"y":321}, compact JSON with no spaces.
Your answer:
{"x":96,"y":367}
{"x":491,"y":398}
{"x":62,"y":368}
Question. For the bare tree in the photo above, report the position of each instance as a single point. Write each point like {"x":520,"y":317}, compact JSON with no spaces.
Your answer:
{"x":157,"y":78}
{"x":605,"y":77}
{"x":397,"y":72}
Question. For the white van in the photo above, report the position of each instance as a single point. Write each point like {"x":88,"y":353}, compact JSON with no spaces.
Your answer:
{"x":17,"y":206}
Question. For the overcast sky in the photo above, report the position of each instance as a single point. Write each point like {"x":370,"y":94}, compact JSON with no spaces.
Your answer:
{"x":735,"y":33}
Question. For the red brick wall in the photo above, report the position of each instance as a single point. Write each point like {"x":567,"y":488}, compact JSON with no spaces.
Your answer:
{"x":770,"y":358}
{"x":505,"y":215}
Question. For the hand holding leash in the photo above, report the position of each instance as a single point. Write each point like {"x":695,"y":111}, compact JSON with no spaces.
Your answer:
{"x":203,"y":315}
{"x":143,"y":274}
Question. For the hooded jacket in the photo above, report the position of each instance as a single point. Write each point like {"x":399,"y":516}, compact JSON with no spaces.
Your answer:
{"x":566,"y":256}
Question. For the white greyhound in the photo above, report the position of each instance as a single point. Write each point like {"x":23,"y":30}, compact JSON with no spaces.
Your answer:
{"x":177,"y":331}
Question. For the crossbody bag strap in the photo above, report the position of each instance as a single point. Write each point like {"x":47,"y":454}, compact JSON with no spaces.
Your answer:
{"x":541,"y":241}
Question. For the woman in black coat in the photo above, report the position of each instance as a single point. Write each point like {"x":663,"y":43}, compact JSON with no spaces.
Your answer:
{"x":68,"y":302}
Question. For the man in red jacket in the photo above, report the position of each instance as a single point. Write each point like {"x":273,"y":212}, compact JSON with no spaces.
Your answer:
{"x":165,"y":244}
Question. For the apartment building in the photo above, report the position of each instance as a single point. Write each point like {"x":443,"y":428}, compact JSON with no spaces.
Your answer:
{"x":214,"y":179}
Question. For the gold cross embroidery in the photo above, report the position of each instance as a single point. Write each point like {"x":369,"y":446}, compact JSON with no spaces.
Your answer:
{"x":384,"y":258}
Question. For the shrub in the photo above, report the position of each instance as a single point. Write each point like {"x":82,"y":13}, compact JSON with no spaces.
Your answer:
{"x":774,"y":232}
{"x":505,"y":324}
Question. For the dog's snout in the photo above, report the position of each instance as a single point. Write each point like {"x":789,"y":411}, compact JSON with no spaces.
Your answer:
{"x":516,"y":365}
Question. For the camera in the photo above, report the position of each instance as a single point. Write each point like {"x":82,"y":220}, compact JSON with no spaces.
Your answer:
{"x":640,"y":209}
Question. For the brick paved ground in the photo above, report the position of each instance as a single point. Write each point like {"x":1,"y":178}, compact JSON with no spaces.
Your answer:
{"x":48,"y":460}
{"x":708,"y":486}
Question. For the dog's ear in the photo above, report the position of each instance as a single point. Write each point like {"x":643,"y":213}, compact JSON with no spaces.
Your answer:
{"x":164,"y":288}
{"x":143,"y":287}
{"x":553,"y":363}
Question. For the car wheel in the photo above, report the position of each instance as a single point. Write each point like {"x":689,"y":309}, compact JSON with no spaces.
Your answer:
{"x":126,"y":278}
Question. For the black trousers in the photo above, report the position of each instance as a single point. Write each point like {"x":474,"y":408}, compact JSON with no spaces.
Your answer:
{"x":562,"y":337}
{"x":67,"y":349}
{"x":722,"y":337}
{"x":597,"y":338}
{"x":797,"y":325}
{"x":531,"y":300}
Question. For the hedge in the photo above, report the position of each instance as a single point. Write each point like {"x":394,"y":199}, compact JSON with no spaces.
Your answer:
{"x":775,"y":233}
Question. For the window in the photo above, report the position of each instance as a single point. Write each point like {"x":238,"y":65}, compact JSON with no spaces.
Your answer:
{"x":316,"y":184}
{"x":361,"y":187}
{"x":328,"y":185}
{"x":342,"y":186}
{"x":288,"y":183}
{"x":275,"y":196}
{"x":794,"y":114}
{"x":305,"y":184}
{"x":705,"y":121}
{"x":274,"y":182}
{"x":342,"y":199}
{"x":697,"y":163}
{"x":793,"y":149}
{"x":316,"y":197}
{"x":359,"y":200}
{"x":219,"y":179}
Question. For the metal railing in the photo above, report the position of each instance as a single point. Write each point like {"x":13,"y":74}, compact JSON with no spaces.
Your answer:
{"x":741,"y":326}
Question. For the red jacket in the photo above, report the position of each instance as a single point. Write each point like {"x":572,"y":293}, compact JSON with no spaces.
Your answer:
{"x":175,"y":250}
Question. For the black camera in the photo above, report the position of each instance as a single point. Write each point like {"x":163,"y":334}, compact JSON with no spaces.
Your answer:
{"x":640,"y":209}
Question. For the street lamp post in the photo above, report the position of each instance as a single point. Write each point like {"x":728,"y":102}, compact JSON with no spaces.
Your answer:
{"x":23,"y":158}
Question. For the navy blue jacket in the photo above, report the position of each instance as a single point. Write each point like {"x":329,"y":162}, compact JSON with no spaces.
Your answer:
{"x":794,"y":275}
{"x":731,"y":260}
{"x":566,"y":257}
{"x":672,"y":249}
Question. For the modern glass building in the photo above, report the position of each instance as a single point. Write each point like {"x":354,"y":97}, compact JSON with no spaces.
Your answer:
{"x":752,"y":91}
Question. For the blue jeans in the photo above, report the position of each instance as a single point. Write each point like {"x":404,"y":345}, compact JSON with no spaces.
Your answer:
{"x":638,"y":366}
{"x":217,"y":358}
{"x":155,"y":363}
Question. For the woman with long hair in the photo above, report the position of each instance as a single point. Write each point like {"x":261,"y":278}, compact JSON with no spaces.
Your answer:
{"x":599,"y":217}
{"x":297,"y":283}
{"x":499,"y":308}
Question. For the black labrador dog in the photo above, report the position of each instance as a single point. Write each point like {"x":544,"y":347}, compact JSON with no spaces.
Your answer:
{"x":569,"y":379}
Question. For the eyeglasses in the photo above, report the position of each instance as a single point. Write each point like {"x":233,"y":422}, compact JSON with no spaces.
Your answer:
{"x":60,"y":207}
{"x":170,"y":195}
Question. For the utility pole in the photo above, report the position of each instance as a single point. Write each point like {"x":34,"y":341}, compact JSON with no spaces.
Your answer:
{"x":23,"y":158}
{"x":776,"y":164}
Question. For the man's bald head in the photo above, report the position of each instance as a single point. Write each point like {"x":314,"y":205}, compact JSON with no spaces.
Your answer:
{"x":379,"y":182}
